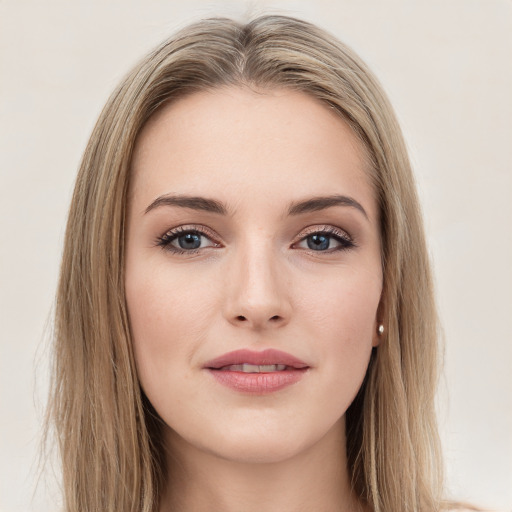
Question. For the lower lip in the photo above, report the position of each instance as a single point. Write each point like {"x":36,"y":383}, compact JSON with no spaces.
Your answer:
{"x":258,"y":383}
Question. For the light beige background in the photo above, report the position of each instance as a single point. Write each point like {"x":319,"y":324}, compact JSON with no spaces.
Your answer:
{"x":447,"y":68}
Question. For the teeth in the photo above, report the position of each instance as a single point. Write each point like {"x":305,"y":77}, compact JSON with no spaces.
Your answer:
{"x":254,"y":368}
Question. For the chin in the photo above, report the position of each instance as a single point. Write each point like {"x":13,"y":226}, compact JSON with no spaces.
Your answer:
{"x":258,"y":450}
{"x":246,"y":451}
{"x":260,"y":442}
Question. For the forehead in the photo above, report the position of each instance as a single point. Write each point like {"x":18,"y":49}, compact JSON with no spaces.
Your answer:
{"x":238,"y":144}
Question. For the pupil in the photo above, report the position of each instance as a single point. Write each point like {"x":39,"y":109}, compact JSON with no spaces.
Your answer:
{"x":189,"y":241}
{"x":318,"y":242}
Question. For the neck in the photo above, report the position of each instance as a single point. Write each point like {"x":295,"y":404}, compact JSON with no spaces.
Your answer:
{"x":314,"y":479}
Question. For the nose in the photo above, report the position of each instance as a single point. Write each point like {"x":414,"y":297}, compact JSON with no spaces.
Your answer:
{"x":257,"y":292}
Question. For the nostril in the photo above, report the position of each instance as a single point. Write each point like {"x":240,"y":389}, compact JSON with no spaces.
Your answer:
{"x":273,"y":319}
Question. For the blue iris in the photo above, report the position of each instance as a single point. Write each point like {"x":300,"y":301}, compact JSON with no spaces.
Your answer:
{"x":318,"y":242}
{"x":189,"y":241}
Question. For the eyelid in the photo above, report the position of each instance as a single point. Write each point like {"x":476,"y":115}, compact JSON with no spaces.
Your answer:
{"x":343,"y":239}
{"x":326,"y":228}
{"x":164,"y":241}
{"x":190,"y":227}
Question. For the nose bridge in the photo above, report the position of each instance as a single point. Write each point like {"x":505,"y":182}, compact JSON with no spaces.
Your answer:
{"x":258,"y":297}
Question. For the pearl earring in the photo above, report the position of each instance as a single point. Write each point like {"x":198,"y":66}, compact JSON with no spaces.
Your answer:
{"x":381,"y":329}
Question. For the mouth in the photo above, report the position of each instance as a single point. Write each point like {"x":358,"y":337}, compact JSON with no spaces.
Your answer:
{"x":255,"y":368}
{"x":258,"y":373}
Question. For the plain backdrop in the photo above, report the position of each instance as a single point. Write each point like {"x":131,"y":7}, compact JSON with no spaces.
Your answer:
{"x":447,"y":67}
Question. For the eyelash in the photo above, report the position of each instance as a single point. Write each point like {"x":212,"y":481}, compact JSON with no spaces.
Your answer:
{"x":165,"y":240}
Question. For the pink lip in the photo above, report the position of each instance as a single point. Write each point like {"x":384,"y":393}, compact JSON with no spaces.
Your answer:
{"x":268,"y":356}
{"x":257,"y":383}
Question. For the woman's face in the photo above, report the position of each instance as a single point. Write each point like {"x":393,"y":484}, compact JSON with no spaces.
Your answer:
{"x":252,"y":226}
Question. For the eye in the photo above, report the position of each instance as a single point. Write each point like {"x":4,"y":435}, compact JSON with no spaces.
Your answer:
{"x":329,"y":239}
{"x":186,"y":240}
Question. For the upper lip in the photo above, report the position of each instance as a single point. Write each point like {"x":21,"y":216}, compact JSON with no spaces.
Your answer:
{"x":264,"y":357}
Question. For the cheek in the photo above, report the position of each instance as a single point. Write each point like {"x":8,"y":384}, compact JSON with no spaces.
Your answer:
{"x":169,"y":318}
{"x":344,"y":305}
{"x":341,"y":317}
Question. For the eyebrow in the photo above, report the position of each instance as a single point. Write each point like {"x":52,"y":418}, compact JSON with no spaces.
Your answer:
{"x":322,"y":202}
{"x":295,"y":208}
{"x":191,"y":202}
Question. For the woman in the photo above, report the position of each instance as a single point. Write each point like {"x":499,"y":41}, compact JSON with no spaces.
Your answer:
{"x":245,"y":316}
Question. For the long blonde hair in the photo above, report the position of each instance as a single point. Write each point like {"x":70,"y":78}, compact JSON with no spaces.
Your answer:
{"x":107,"y":432}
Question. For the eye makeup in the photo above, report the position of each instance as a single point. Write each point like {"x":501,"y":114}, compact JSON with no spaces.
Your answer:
{"x":189,"y":240}
{"x":186,"y":237}
{"x":319,"y":238}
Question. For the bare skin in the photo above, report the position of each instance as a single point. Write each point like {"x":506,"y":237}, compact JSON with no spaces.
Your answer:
{"x":261,"y":275}
{"x":284,"y":485}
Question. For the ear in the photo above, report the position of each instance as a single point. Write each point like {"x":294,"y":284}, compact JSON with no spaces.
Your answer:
{"x":379,"y":328}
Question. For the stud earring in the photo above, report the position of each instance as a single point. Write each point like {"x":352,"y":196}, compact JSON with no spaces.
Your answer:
{"x":381,"y":329}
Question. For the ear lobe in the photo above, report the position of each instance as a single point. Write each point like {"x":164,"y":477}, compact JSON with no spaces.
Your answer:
{"x":379,"y":327}
{"x":378,"y":333}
